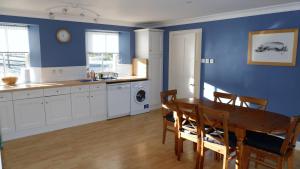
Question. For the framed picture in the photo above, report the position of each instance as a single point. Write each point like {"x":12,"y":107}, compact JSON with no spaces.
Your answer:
{"x":273,"y":47}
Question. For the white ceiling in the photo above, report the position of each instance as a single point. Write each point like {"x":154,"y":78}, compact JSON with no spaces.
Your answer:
{"x":144,"y":11}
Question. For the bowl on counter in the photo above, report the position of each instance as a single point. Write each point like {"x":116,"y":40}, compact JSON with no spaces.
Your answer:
{"x":10,"y":80}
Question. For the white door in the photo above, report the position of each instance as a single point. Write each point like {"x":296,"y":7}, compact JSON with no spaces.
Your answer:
{"x":184,"y":63}
{"x":98,"y":104}
{"x":58,"y":109}
{"x":29,"y":113}
{"x":155,"y":80}
{"x":80,"y":105}
{"x":7,"y":119}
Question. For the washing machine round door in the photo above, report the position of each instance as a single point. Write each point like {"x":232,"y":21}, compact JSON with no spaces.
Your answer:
{"x":140,"y":96}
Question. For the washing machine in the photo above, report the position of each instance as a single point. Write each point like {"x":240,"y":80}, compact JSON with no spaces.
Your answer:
{"x":139,"y":97}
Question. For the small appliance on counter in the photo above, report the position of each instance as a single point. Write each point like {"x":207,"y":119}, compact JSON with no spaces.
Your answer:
{"x":108,"y":75}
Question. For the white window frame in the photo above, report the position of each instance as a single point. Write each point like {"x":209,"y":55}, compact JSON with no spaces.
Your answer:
{"x":115,"y":60}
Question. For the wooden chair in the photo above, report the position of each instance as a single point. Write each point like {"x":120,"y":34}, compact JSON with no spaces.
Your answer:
{"x":273,"y":148}
{"x":220,"y":141}
{"x":225,"y":98}
{"x":259,"y":103}
{"x":188,"y":128}
{"x":168,"y":106}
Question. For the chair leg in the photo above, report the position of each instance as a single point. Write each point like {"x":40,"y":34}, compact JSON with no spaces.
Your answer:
{"x":195,"y":147}
{"x":225,"y":161}
{"x":164,"y":131}
{"x":179,"y":148}
{"x":279,"y":164}
{"x":200,"y":149}
{"x":290,"y":161}
{"x":246,"y":159}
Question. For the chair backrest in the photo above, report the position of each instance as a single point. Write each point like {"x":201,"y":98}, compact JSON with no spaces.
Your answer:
{"x":291,"y":135}
{"x":215,"y":120}
{"x":247,"y":101}
{"x":167,"y":96}
{"x":188,"y":114}
{"x":221,"y":97}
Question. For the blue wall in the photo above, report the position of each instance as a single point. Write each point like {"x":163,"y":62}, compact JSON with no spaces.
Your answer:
{"x":227,"y":42}
{"x":55,"y":54}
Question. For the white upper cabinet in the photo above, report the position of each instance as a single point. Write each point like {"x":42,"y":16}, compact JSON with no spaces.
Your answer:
{"x":58,"y":109}
{"x":156,"y":42}
{"x":7,"y":119}
{"x":29,"y":113}
{"x":148,"y":42}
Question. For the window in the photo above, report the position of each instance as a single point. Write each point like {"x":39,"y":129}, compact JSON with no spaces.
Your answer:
{"x":102,"y":51}
{"x":14,"y":49}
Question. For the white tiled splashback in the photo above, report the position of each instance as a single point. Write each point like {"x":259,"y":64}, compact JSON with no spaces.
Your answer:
{"x":51,"y":74}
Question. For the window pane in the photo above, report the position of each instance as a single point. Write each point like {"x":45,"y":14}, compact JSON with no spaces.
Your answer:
{"x":112,"y":43}
{"x":3,"y":46}
{"x":102,"y":51}
{"x":14,"y":49}
{"x":96,"y":42}
{"x":17,"y":40}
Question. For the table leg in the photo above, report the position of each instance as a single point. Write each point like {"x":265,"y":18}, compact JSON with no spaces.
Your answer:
{"x":240,"y":135}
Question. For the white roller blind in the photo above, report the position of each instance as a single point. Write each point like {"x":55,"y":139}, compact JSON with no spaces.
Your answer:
{"x":102,"y":42}
{"x":14,"y":38}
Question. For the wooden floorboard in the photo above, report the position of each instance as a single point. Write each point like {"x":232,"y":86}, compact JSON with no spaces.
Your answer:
{"x":132,"y":142}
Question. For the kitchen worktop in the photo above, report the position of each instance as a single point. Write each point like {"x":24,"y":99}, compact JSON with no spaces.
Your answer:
{"x":28,"y":86}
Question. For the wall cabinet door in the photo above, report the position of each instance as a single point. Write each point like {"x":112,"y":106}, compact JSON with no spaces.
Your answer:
{"x":155,"y":79}
{"x":58,"y":109}
{"x":98,"y":104}
{"x":7,"y":118}
{"x":29,"y":113}
{"x":80,"y":105}
{"x":156,"y":42}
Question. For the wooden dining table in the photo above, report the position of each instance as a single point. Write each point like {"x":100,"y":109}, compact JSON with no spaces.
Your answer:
{"x":242,"y":119}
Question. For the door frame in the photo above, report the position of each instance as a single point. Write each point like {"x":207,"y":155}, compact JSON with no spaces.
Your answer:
{"x":198,"y":57}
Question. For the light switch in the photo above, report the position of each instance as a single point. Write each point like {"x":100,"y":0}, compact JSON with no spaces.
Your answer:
{"x":202,"y":60}
{"x":211,"y":61}
{"x":206,"y":60}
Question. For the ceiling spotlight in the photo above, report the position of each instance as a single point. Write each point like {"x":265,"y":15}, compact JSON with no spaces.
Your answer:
{"x":51,"y":15}
{"x":96,"y":20}
{"x":64,"y":11}
{"x":82,"y":14}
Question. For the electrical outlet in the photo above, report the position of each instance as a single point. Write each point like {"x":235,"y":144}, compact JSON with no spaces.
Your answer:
{"x":206,"y":60}
{"x":202,"y":60}
{"x":211,"y":61}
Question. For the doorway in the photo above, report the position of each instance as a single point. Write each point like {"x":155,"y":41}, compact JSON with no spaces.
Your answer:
{"x":184,"y":62}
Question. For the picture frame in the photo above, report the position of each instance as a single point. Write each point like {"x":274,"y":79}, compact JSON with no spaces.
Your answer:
{"x":273,"y":47}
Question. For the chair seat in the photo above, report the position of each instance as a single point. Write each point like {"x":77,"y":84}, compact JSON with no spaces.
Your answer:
{"x":264,"y":141}
{"x":170,"y":117}
{"x":231,"y":137}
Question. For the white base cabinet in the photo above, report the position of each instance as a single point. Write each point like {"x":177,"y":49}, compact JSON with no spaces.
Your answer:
{"x":29,"y":113}
{"x":58,"y":109}
{"x":80,"y":105}
{"x":98,"y":104}
{"x":7,"y":119}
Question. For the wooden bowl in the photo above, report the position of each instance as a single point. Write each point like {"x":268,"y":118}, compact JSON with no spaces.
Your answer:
{"x":10,"y":80}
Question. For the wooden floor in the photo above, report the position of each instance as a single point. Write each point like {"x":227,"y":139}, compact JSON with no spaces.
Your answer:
{"x":124,"y":143}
